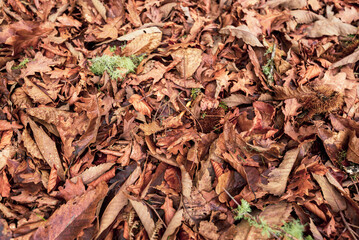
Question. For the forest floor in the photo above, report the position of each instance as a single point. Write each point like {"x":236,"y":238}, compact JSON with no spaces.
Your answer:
{"x":133,"y":119}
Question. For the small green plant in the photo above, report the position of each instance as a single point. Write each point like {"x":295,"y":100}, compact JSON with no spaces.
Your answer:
{"x":203,"y":115}
{"x":113,"y":48}
{"x":223,"y":105}
{"x":22,"y":64}
{"x":290,"y":230}
{"x":267,"y":69}
{"x":195,"y":92}
{"x":116,"y":66}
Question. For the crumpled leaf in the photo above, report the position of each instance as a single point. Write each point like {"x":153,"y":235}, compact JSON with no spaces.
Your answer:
{"x":5,"y":186}
{"x":6,"y":154}
{"x":173,"y":225}
{"x":351,"y":58}
{"x":236,"y":99}
{"x":144,"y":214}
{"x":208,"y":230}
{"x":30,"y":145}
{"x":92,"y":173}
{"x":47,"y":148}
{"x":191,"y":58}
{"x":39,"y":64}
{"x":278,"y":177}
{"x":330,"y":26}
{"x":168,"y":209}
{"x":353,"y":149}
{"x":150,"y":128}
{"x":291,"y":4}
{"x":68,"y":221}
{"x":143,"y":44}
{"x":140,"y":105}
{"x":331,"y":195}
{"x":242,"y":32}
{"x":35,"y":92}
{"x":71,"y":190}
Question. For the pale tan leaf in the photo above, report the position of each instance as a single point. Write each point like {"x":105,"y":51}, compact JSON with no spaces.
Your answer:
{"x":191,"y":58}
{"x":6,"y":125}
{"x":331,"y":195}
{"x":209,"y":230}
{"x":305,"y":17}
{"x":144,"y":215}
{"x":316,"y":234}
{"x":144,"y":43}
{"x":47,"y":148}
{"x":174,"y":224}
{"x":351,"y":58}
{"x":150,"y":128}
{"x":117,"y":203}
{"x":7,"y":153}
{"x":35,"y":93}
{"x":348,"y":15}
{"x":353,"y":149}
{"x":30,"y":145}
{"x":6,"y":137}
{"x":236,"y":99}
{"x":291,"y":4}
{"x":223,"y":182}
{"x":168,"y":209}
{"x":242,"y":32}
{"x":277,"y":178}
{"x":140,"y":104}
{"x":20,"y":98}
{"x":93,"y":173}
{"x":100,"y":8}
{"x":139,"y":32}
{"x":186,"y":182}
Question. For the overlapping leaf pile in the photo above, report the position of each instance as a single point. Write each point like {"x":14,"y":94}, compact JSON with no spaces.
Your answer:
{"x":139,"y":119}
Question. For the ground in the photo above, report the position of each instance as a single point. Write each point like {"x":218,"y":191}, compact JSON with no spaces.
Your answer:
{"x":133,"y":119}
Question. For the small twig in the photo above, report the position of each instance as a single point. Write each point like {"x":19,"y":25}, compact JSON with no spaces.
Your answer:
{"x":351,"y":231}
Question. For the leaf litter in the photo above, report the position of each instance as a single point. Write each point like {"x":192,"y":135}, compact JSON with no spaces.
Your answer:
{"x":179,"y":120}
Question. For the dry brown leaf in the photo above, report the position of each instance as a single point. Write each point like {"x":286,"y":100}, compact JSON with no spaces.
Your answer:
{"x":139,"y":32}
{"x":191,"y":58}
{"x":348,"y":15}
{"x":316,"y":234}
{"x":6,"y":125}
{"x":53,"y":180}
{"x":117,"y":203}
{"x":186,"y":182}
{"x":20,"y":98}
{"x":140,"y":105}
{"x":38,"y":64}
{"x":6,"y":137}
{"x":168,"y":209}
{"x":330,"y":26}
{"x":291,"y":4}
{"x":143,"y":44}
{"x":305,"y":17}
{"x":331,"y":195}
{"x":145,"y":216}
{"x":223,"y":182}
{"x":47,"y":148}
{"x":35,"y":93}
{"x":353,"y":149}
{"x":242,"y":32}
{"x":100,"y":8}
{"x":71,"y":190}
{"x":351,"y":58}
{"x":278,"y":177}
{"x":68,"y":221}
{"x":150,"y":128}
{"x":236,"y":99}
{"x":208,"y":230}
{"x":92,"y":173}
{"x":173,"y":225}
{"x":5,"y":186}
{"x":30,"y":145}
{"x":6,"y":154}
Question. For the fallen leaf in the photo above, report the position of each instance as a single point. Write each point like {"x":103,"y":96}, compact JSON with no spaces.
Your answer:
{"x":140,"y":105}
{"x":144,"y":215}
{"x":168,"y":209}
{"x":143,"y":44}
{"x":173,"y":225}
{"x":236,"y":99}
{"x":71,"y":190}
{"x":5,"y":186}
{"x":208,"y":230}
{"x":47,"y":148}
{"x":92,"y":173}
{"x":68,"y":221}
{"x":242,"y":32}
{"x":190,"y":60}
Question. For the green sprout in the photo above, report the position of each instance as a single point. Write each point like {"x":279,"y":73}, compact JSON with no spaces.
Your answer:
{"x":223,"y":105}
{"x":116,"y":66}
{"x":22,"y":64}
{"x":195,"y":92}
{"x":113,"y":48}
